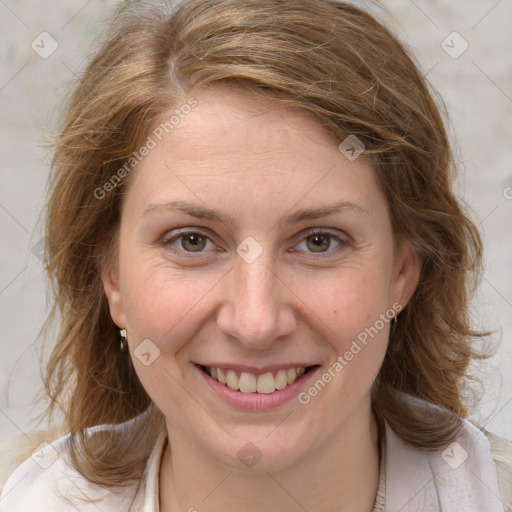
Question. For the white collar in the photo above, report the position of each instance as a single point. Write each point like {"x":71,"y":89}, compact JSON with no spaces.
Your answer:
{"x":462,"y":476}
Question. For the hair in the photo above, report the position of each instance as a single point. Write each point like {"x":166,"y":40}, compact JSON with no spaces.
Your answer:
{"x":325,"y":57}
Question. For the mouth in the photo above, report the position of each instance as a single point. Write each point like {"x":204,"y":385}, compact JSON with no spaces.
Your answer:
{"x":257,"y":388}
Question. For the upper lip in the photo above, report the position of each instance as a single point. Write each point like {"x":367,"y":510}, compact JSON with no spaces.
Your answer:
{"x":257,"y":370}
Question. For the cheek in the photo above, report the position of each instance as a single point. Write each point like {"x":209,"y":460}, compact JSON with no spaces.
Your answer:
{"x":165,"y":304}
{"x":347,"y":300}
{"x":353,"y":313}
{"x":167,"y":307}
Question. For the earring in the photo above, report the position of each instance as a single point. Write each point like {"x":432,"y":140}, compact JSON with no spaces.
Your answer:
{"x":395,"y":345}
{"x":122,"y":343}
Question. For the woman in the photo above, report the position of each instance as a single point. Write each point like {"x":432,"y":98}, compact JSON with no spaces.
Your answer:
{"x":262,"y":275}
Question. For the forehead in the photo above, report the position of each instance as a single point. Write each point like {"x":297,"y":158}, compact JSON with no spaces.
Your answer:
{"x":230,"y":119}
{"x":268,"y":152}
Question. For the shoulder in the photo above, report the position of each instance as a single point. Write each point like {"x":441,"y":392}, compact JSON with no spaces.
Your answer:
{"x":473,"y":472}
{"x":487,"y":456}
{"x":18,"y":446}
{"x":44,"y":479}
{"x":501,"y":453}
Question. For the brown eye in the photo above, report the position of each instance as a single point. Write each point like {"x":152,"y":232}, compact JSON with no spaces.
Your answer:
{"x":193,"y":242}
{"x":188,"y":242}
{"x":319,"y":242}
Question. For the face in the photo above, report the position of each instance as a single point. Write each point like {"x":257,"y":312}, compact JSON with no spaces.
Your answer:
{"x":251,"y":247}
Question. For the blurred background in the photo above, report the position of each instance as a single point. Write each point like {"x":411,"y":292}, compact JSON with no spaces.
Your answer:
{"x":465,"y":49}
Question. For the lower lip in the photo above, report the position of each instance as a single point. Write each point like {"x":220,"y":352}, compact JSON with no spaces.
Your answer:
{"x":258,"y":401}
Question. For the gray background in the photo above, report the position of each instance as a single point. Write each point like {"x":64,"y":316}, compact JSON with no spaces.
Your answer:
{"x":477,"y":87}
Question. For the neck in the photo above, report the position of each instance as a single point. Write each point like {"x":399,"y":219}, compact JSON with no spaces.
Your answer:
{"x":340,"y":476}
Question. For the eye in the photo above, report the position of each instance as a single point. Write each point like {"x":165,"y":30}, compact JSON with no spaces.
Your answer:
{"x":321,"y":242}
{"x":188,"y":241}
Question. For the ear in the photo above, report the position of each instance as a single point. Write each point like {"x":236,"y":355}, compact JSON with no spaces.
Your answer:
{"x":115,"y":300}
{"x":406,"y":273}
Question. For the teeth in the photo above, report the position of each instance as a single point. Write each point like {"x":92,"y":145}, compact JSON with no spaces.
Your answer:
{"x":291,"y":375}
{"x":232,"y":380}
{"x":266,"y":383}
{"x":221,"y":376}
{"x":281,"y":381}
{"x":249,"y":383}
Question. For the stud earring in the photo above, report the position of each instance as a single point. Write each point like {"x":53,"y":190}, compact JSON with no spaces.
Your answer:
{"x":122,"y":343}
{"x":396,"y":343}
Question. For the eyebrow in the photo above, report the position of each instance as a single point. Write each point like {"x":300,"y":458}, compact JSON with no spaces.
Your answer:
{"x":202,"y":212}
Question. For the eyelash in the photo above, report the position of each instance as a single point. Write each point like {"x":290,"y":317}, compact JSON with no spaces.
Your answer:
{"x":168,"y":240}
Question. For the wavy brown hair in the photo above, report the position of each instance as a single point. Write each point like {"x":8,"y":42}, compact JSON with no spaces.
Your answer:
{"x":328,"y":58}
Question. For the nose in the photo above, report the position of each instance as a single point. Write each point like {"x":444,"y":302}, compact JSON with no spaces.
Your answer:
{"x":257,"y":306}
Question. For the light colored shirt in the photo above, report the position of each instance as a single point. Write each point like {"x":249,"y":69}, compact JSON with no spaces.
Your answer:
{"x":474,"y":475}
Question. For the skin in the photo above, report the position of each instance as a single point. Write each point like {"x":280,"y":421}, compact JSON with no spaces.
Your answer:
{"x":256,"y":163}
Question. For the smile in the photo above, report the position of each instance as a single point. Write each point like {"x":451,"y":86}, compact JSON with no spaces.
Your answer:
{"x":246,"y":382}
{"x":256,"y":389}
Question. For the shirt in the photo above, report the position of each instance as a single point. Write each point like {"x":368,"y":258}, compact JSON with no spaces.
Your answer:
{"x":473,"y":474}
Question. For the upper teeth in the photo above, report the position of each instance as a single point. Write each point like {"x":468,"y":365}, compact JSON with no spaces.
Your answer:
{"x":250,"y":383}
